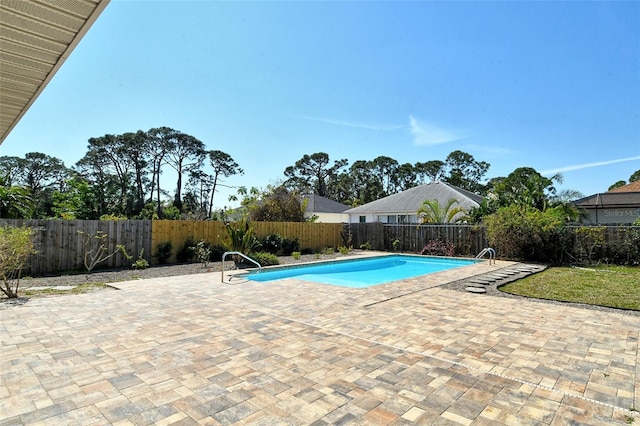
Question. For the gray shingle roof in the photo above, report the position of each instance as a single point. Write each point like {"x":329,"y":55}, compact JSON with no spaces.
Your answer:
{"x":610,"y":199}
{"x":318,"y":204}
{"x":409,"y":201}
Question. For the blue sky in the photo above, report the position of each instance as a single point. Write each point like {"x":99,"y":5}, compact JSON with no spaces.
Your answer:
{"x":549,"y":85}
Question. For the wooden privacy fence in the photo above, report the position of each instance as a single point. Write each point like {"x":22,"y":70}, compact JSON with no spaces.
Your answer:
{"x":314,"y":236}
{"x":468,"y":240}
{"x":61,"y":247}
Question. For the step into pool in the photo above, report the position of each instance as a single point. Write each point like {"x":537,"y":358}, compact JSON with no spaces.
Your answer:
{"x":360,"y":273}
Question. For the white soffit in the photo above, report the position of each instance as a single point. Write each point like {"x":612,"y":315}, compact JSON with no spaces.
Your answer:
{"x":36,"y":37}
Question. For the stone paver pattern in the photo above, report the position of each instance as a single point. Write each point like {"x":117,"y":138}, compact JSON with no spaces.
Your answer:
{"x":193,"y":350}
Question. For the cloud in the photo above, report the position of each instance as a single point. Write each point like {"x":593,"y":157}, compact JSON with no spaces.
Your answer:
{"x":587,"y":165}
{"x":359,"y":125}
{"x":428,"y":134}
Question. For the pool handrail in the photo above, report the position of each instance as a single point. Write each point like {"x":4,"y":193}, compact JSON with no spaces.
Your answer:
{"x":238,"y":254}
{"x":490,"y":251}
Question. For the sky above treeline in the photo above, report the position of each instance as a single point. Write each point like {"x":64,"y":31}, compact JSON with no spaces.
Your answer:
{"x":549,"y":85}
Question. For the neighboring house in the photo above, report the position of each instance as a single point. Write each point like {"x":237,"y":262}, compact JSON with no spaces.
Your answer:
{"x":616,"y":207}
{"x":403,"y":207}
{"x":326,"y":210}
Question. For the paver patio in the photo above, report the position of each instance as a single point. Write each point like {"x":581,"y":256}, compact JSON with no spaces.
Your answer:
{"x":192,"y":350}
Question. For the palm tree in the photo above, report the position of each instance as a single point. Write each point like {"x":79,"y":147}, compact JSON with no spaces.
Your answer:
{"x":432,"y":212}
{"x":15,"y":201}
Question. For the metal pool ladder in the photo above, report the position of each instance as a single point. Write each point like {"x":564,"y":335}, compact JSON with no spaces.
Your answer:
{"x":486,"y":250}
{"x":241,"y":255}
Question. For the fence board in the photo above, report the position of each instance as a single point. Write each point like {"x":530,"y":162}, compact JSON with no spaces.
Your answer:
{"x":313,"y":236}
{"x":61,"y":248}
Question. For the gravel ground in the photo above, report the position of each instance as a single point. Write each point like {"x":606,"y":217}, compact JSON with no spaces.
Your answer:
{"x":156,"y":271}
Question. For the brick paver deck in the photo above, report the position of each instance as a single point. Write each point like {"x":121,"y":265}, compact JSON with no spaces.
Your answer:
{"x":192,"y":350}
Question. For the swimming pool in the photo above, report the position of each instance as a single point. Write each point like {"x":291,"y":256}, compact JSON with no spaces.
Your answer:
{"x":360,"y":273}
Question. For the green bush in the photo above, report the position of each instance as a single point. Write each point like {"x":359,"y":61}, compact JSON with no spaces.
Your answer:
{"x":365,"y":246}
{"x":344,"y":250}
{"x":265,"y":259}
{"x":241,"y":236}
{"x":624,"y":248}
{"x":296,"y":255}
{"x":272,"y":243}
{"x":141,"y":262}
{"x":525,"y":233}
{"x":289,"y":246}
{"x":163,"y":252}
{"x":217,"y":251}
{"x":186,"y":253}
{"x":16,"y":245}
{"x":202,"y":252}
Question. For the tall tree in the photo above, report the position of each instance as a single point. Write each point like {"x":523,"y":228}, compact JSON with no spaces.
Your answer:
{"x":42,"y":175}
{"x":161,"y":141}
{"x":525,"y":186}
{"x":95,"y":168}
{"x":77,"y":201}
{"x":385,"y":168}
{"x":186,"y":153}
{"x":135,"y":148}
{"x":312,"y":173}
{"x":465,"y":172}
{"x":278,"y":204}
{"x":404,"y":177}
{"x":223,"y":166}
{"x":430,"y":171}
{"x":111,"y":148}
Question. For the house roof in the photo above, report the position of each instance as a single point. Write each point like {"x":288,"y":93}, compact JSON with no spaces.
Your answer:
{"x":409,"y":201}
{"x":37,"y":37}
{"x":319,"y":204}
{"x":610,"y":199}
{"x":632,"y":187}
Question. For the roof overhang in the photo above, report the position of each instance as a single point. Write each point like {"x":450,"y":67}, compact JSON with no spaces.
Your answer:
{"x":36,"y":37}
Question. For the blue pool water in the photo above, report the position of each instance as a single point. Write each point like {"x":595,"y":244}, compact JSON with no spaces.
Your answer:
{"x":361,"y":273}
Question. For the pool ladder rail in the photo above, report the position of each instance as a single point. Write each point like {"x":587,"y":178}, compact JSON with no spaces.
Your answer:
{"x":226,"y":253}
{"x":487,"y":250}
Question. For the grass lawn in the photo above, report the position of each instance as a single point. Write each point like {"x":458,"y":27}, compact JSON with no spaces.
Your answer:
{"x":612,"y":286}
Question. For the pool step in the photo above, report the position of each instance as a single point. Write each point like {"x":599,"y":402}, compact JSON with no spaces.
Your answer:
{"x":479,"y":284}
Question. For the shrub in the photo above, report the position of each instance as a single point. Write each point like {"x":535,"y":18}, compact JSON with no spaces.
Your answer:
{"x":16,"y":245}
{"x":202,"y":252}
{"x":296,"y":255}
{"x":523,"y":232}
{"x":624,"y":249}
{"x":265,"y":259}
{"x":217,"y":251}
{"x":289,"y":246}
{"x":365,"y":246}
{"x":396,"y":244}
{"x":186,"y":253}
{"x":272,"y":243}
{"x":344,"y":250}
{"x":141,"y":262}
{"x":163,"y":252}
{"x":95,"y":249}
{"x":589,"y":243}
{"x":438,"y":248}
{"x":241,"y":237}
